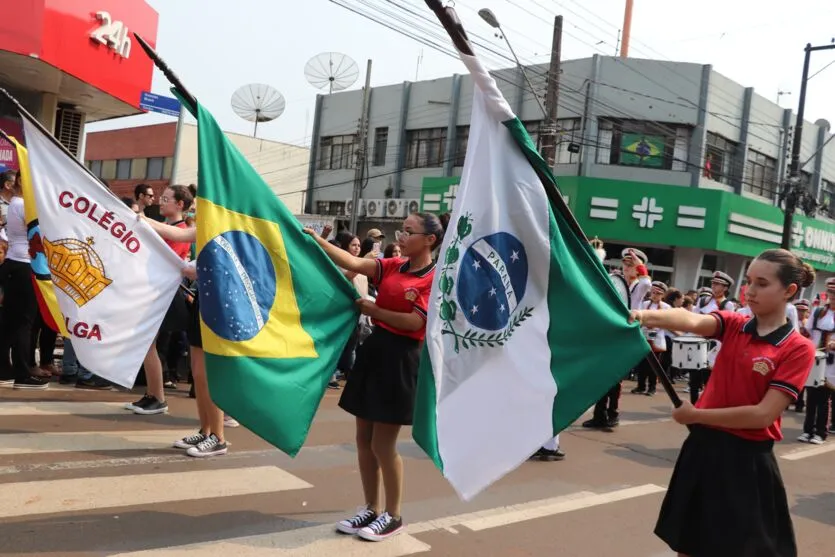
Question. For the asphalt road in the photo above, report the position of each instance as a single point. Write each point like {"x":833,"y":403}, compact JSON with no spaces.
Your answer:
{"x":81,"y":477}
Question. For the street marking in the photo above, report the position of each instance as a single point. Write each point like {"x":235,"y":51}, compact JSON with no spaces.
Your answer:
{"x":61,"y":408}
{"x":806,"y":453}
{"x":83,"y":494}
{"x":303,"y":542}
{"x":323,"y":540}
{"x":88,"y":441}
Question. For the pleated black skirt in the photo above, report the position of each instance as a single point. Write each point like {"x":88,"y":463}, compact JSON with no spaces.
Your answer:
{"x":381,"y":386}
{"x":726,"y":499}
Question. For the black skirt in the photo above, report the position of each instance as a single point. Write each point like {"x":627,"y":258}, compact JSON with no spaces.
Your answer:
{"x":381,"y":386}
{"x":726,"y":499}
{"x":195,"y":337}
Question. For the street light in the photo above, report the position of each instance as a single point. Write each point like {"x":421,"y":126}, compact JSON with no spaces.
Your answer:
{"x":490,"y":18}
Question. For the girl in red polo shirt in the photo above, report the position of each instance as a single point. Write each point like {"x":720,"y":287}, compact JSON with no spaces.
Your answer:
{"x":726,"y":497}
{"x":380,"y":391}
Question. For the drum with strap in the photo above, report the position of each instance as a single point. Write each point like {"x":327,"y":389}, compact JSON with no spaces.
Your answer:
{"x":691,"y":352}
{"x":817,"y":376}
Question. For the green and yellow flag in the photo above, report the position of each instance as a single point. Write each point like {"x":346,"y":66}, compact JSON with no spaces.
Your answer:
{"x":275,"y":311}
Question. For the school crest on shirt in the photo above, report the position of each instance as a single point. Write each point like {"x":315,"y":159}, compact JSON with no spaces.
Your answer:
{"x":763,"y":365}
{"x":483,"y":280}
{"x":411,"y":294}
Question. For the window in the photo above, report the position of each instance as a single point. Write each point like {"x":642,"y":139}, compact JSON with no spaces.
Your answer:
{"x":760,"y":174}
{"x":381,"y":139}
{"x":720,"y":159}
{"x":123,"y":169}
{"x":155,"y":167}
{"x":95,"y":167}
{"x":337,"y":152}
{"x":336,"y":208}
{"x":644,"y":144}
{"x":827,"y":206}
{"x":462,"y":139}
{"x":425,"y":148}
{"x":568,"y":132}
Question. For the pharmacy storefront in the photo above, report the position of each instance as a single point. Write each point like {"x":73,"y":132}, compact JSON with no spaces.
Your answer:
{"x":687,"y":232}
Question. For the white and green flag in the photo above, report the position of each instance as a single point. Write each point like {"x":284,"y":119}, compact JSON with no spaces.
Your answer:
{"x":525,"y":329}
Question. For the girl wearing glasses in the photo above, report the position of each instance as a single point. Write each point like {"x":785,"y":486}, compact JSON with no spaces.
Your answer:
{"x":380,"y":392}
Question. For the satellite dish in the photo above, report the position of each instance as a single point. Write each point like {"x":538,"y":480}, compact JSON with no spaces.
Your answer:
{"x":332,"y":71}
{"x":257,"y":102}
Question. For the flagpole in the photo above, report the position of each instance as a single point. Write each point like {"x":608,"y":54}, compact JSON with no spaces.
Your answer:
{"x":168,"y":72}
{"x":450,"y":21}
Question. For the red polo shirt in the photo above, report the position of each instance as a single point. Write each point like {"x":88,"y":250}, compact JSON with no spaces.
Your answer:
{"x":403,"y":291}
{"x":748,"y":365}
{"x":182,"y":249}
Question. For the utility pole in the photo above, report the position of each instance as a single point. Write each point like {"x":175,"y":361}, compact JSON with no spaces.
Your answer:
{"x":627,"y":29}
{"x":361,"y":151}
{"x":794,"y":193}
{"x":549,"y":134}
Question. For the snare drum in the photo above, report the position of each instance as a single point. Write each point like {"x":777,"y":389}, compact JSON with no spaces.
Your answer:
{"x":818,"y":373}
{"x":690,"y":352}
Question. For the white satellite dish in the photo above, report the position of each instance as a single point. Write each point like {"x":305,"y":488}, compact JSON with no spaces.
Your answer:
{"x":257,"y":102}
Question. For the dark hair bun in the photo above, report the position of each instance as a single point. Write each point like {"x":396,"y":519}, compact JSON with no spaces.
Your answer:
{"x":807,"y":278}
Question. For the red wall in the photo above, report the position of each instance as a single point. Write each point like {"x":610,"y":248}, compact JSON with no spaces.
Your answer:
{"x":58,"y":32}
{"x":132,"y":143}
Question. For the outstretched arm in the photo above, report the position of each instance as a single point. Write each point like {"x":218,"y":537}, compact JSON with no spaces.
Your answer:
{"x":342,"y":258}
{"x":172,"y":233}
{"x":677,"y":320}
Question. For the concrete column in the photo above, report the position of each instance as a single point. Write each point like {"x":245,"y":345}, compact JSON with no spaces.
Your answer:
{"x":309,"y":198}
{"x":687,"y":264}
{"x":696,"y":155}
{"x":735,"y":266}
{"x":817,"y":175}
{"x":452,"y":126}
{"x":47,"y":111}
{"x":783,"y":157}
{"x":742,"y":156}
{"x":590,"y":134}
{"x":401,"y":139}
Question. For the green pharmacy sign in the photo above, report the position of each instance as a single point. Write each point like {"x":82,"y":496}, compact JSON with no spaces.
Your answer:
{"x":642,"y":150}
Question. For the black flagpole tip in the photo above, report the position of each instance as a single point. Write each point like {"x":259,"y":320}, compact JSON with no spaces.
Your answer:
{"x":168,"y":72}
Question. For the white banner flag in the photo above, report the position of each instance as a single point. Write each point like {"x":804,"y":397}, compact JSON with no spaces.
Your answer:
{"x":114,"y":276}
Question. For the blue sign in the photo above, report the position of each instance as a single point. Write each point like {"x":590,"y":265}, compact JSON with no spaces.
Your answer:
{"x":158,"y":103}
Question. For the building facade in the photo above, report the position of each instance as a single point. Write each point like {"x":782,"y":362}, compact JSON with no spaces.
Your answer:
{"x":145,"y":154}
{"x":671,"y":157}
{"x":70,"y":63}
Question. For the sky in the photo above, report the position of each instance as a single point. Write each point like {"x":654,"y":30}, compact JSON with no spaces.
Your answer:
{"x":215,"y":49}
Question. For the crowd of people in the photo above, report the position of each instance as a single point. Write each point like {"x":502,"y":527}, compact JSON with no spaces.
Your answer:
{"x":768,"y":348}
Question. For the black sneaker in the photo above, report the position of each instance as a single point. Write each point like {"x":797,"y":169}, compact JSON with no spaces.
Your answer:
{"x":67,"y":379}
{"x":547,"y":455}
{"x":190,"y":441}
{"x":91,"y":385}
{"x":146,"y":399}
{"x":153,"y":406}
{"x":333,"y":385}
{"x":594,"y":424}
{"x":385,"y":526}
{"x":210,"y":446}
{"x":32,"y":383}
{"x":650,"y":393}
{"x":637,"y":391}
{"x":612,"y":423}
{"x":363,"y":518}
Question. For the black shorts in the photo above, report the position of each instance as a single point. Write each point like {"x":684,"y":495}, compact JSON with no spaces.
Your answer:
{"x":195,"y":338}
{"x":381,"y":386}
{"x":726,"y":499}
{"x":177,"y":316}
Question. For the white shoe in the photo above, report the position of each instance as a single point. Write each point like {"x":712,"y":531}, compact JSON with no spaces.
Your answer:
{"x":229,"y":421}
{"x":804,"y":438}
{"x":816,"y":440}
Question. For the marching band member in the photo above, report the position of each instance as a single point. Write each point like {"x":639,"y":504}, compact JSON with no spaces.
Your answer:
{"x":633,"y":283}
{"x":802,"y":308}
{"x":656,"y":338}
{"x":821,"y":326}
{"x":718,"y":300}
{"x":726,"y":497}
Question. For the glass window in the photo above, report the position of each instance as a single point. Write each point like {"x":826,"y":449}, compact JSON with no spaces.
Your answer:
{"x":828,"y":198}
{"x":720,"y":159}
{"x":95,"y":167}
{"x":568,"y":133}
{"x":155,"y":167}
{"x":337,"y":152}
{"x":425,"y":148}
{"x":760,"y":175}
{"x":336,"y":208}
{"x":381,"y":139}
{"x":123,"y":169}
{"x":462,"y":139}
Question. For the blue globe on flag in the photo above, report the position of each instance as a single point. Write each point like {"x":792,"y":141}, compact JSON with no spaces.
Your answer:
{"x":237,"y":285}
{"x":492,"y":278}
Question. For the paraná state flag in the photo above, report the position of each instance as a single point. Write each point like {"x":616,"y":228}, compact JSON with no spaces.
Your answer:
{"x":525,"y":329}
{"x":276,"y":313}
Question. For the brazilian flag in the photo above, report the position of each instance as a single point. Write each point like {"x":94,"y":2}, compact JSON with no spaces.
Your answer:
{"x":275,"y":312}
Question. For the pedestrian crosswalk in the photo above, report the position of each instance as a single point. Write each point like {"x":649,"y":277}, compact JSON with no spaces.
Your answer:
{"x":97,"y":462}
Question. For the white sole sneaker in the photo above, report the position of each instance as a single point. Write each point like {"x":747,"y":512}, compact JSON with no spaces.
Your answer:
{"x":8,"y":383}
{"x":370,"y":536}
{"x":196,"y":453}
{"x":150,"y":412}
